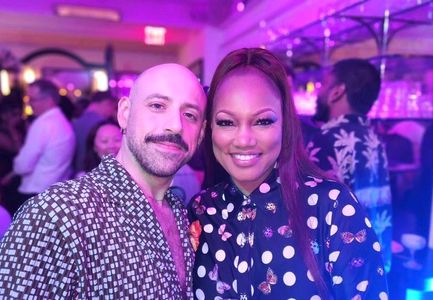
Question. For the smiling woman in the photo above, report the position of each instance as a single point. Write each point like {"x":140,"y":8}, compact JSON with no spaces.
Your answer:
{"x":276,"y":227}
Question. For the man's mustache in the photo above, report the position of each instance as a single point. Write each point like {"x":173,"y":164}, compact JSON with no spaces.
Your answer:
{"x":171,"y":138}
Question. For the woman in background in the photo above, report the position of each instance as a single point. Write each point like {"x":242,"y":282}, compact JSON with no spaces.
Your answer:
{"x":274,"y":228}
{"x":103,"y":139}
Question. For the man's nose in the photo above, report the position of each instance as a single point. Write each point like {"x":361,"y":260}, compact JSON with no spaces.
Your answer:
{"x":174,"y":123}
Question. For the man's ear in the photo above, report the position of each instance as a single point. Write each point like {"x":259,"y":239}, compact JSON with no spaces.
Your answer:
{"x":337,"y":93}
{"x":123,"y":110}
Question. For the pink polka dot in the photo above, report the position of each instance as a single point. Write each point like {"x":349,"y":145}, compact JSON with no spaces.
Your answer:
{"x":264,"y":188}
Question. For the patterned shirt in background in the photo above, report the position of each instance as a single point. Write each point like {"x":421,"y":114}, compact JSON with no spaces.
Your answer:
{"x":245,"y":247}
{"x":348,"y":147}
{"x":94,"y":237}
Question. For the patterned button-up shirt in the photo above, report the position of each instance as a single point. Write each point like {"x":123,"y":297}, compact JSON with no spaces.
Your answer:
{"x":349,"y":147}
{"x":246,"y":248}
{"x":94,"y":237}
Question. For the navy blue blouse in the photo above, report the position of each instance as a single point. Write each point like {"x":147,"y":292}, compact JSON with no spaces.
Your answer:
{"x":245,"y":247}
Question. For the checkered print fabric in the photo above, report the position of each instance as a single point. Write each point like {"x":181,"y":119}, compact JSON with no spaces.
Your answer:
{"x":92,"y":238}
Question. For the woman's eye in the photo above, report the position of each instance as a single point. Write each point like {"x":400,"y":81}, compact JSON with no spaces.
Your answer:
{"x":265,"y":122}
{"x":224,"y":123}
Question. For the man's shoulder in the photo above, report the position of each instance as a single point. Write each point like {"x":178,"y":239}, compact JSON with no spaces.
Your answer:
{"x":74,"y":194}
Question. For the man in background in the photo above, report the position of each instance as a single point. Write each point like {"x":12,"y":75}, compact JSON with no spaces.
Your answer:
{"x":117,"y":232}
{"x":102,"y":107}
{"x":347,"y":146}
{"x":46,"y":156}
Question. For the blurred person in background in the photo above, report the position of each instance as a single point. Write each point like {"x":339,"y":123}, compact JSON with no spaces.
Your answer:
{"x":46,"y":155}
{"x":348,"y":148}
{"x":103,"y":139}
{"x":12,"y":132}
{"x":102,"y":106}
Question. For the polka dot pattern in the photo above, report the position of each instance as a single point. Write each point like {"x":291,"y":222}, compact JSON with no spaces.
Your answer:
{"x":220,"y":255}
{"x":201,"y":271}
{"x":266,"y":257}
{"x":289,"y":278}
{"x":333,"y":194}
{"x":348,"y":210}
{"x":242,"y":267}
{"x":312,"y":222}
{"x":312,"y":200}
{"x":337,"y":280}
{"x":328,"y":218}
{"x":208,"y":228}
{"x":205,"y":248}
{"x":264,"y":188}
{"x":362,"y":286}
{"x":262,"y":246}
{"x":288,"y":252}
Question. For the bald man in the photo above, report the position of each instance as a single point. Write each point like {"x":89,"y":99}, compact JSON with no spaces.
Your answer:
{"x":118,"y":232}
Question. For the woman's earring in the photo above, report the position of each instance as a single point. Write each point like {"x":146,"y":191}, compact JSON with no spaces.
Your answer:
{"x":123,"y":131}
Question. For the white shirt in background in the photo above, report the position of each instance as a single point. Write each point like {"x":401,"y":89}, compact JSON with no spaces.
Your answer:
{"x":47,"y":153}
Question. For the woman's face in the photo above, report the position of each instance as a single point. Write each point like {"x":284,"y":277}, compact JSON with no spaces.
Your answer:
{"x":107,"y":140}
{"x":247,"y":127}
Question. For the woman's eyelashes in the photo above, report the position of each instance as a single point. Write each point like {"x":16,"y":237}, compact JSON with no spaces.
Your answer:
{"x":265,"y":121}
{"x":258,"y":122}
{"x":224,"y":122}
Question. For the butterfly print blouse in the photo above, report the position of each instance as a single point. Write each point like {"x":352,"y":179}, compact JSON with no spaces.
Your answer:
{"x":246,"y":249}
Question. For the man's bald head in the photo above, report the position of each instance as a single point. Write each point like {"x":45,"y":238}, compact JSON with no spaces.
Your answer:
{"x":165,"y":75}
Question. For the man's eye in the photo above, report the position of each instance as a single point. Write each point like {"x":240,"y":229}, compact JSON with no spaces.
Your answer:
{"x":265,"y":122}
{"x":224,"y":123}
{"x":191,"y":116}
{"x":156,"y":106}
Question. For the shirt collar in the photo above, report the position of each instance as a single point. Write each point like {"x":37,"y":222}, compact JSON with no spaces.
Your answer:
{"x":122,"y":189}
{"x":268,"y":187}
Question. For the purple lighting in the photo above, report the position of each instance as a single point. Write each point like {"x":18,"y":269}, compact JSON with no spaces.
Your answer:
{"x":240,"y":7}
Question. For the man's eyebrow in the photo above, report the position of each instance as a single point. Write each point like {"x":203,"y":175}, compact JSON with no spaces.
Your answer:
{"x":157,"y":96}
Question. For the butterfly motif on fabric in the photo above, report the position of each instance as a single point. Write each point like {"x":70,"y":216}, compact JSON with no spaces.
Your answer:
{"x":329,"y":267}
{"x":197,"y":206}
{"x":243,"y":297}
{"x":242,"y":239}
{"x":221,"y":286}
{"x":314,"y":182}
{"x":380,"y":271}
{"x":247,"y":213}
{"x":268,"y":232}
{"x":223,"y":233}
{"x":214,"y":194}
{"x":285,"y":231}
{"x":272,"y":207}
{"x":271,"y":279}
{"x":357,"y":262}
{"x":349,"y":237}
{"x":194,"y":234}
{"x":315,"y":247}
{"x":328,"y":242}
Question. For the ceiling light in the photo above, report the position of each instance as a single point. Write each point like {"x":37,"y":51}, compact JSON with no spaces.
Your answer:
{"x":108,"y":14}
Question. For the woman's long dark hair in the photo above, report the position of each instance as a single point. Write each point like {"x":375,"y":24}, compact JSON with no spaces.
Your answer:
{"x":92,"y":159}
{"x":293,"y":162}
